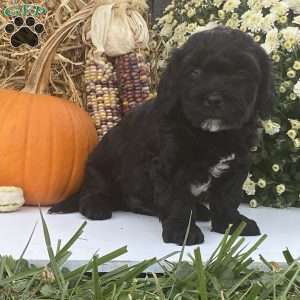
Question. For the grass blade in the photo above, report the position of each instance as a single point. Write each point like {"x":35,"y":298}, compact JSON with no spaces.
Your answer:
{"x":97,"y":288}
{"x":101,"y":260}
{"x":20,"y":276}
{"x":238,"y":284}
{"x":25,"y":249}
{"x":70,"y":243}
{"x":201,"y":277}
{"x":291,"y":282}
{"x":288,"y":256}
{"x":54,"y":266}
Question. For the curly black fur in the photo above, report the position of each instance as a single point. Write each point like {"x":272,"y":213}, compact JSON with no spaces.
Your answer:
{"x":188,"y":146}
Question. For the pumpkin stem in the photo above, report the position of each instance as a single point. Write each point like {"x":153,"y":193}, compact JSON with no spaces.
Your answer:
{"x":38,"y":79}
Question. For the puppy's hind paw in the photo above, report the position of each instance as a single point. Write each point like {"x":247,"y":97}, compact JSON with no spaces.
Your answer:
{"x":95,"y":211}
{"x":174,"y":232}
{"x":251,"y":228}
{"x":61,"y":208}
{"x":65,"y":207}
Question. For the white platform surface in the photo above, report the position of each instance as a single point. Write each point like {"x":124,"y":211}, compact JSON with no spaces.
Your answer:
{"x":142,"y":235}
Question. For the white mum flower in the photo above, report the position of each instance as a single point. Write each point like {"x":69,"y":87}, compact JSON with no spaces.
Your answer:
{"x":253,"y":203}
{"x":181,"y":28}
{"x":252,"y":20}
{"x":233,"y":23}
{"x":191,"y":12}
{"x":169,"y":7}
{"x":231,"y":5}
{"x":293,"y":5}
{"x":292,"y":134}
{"x":249,"y":186}
{"x":295,"y":124}
{"x":167,"y":30}
{"x":280,"y":9}
{"x":296,"y":20}
{"x":262,"y":183}
{"x":255,"y":4}
{"x":196,"y":28}
{"x":192,"y":27}
{"x":208,"y":26}
{"x":297,"y":143}
{"x":291,"y":35}
{"x":268,"y":3}
{"x":180,"y":33}
{"x":180,"y":39}
{"x":168,"y":18}
{"x":268,"y":22}
{"x":270,"y":127}
{"x":296,"y":89}
{"x":280,"y":188}
{"x":272,"y":41}
{"x":197,"y":3}
{"x":218,"y":3}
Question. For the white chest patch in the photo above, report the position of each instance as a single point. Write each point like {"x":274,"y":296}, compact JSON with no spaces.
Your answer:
{"x":223,"y":165}
{"x":199,"y":188}
{"x":211,"y":125}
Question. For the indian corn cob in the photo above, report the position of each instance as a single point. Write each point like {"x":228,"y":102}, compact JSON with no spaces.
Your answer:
{"x":102,"y":93}
{"x":133,"y":80}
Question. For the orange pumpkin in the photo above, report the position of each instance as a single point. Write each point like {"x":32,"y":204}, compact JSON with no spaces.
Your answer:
{"x":44,"y":140}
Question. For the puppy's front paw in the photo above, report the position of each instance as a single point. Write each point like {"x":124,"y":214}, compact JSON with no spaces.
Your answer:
{"x":251,"y":228}
{"x":174,"y":232}
{"x":94,"y":210}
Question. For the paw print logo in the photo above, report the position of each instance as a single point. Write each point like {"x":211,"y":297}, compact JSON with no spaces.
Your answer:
{"x":24,"y":31}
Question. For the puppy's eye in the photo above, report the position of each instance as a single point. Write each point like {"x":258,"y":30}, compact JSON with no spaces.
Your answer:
{"x":196,"y":73}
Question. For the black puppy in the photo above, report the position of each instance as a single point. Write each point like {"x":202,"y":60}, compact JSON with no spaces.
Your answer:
{"x":188,"y":146}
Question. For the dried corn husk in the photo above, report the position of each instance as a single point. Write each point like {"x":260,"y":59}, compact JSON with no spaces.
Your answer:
{"x":118,"y":28}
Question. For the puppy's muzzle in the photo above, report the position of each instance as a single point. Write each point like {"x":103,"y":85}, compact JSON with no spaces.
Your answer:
{"x":215,"y":101}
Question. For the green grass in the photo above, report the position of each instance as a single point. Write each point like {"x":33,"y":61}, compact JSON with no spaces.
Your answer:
{"x":227,"y":274}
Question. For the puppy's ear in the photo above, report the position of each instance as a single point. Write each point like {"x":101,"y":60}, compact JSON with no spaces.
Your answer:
{"x":169,"y":85}
{"x":264,"y":104}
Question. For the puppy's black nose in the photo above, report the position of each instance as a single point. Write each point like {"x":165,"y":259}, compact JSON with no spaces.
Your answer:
{"x":214,"y":100}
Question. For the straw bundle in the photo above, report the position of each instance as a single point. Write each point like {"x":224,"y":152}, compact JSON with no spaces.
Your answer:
{"x":66,"y":78}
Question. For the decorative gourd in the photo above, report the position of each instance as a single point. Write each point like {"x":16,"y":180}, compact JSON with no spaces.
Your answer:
{"x":11,"y":198}
{"x":44,"y":140}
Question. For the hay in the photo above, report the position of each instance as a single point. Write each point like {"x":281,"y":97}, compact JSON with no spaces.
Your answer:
{"x":66,"y":78}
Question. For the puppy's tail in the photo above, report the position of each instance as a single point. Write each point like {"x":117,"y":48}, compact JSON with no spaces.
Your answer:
{"x":69,"y":205}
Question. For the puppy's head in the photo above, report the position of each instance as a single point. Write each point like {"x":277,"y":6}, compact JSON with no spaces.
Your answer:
{"x":220,"y":79}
